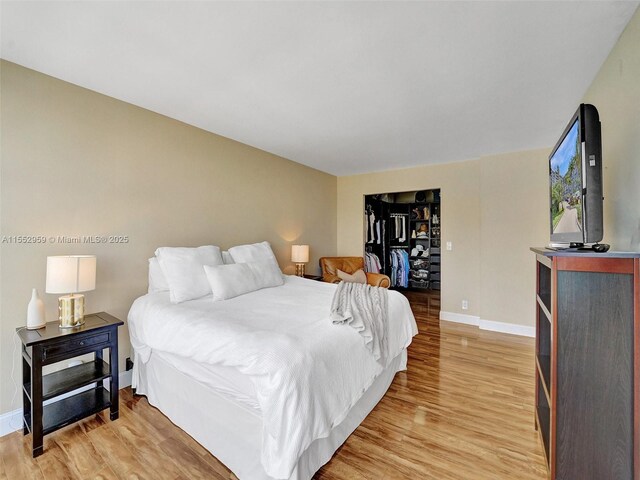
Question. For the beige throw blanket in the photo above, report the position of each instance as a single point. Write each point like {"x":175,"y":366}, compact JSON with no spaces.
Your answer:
{"x":364,"y":308}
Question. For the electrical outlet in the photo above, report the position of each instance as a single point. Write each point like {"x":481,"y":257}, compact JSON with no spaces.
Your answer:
{"x":465,"y":304}
{"x":449,"y":246}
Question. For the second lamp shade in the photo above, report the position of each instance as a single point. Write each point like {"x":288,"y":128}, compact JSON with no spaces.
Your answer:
{"x":300,"y":253}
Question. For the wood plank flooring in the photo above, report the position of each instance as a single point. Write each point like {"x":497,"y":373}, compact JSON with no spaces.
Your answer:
{"x":463,"y":410}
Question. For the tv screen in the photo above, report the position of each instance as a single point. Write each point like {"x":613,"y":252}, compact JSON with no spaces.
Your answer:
{"x":566,"y":184}
{"x":575,"y":180}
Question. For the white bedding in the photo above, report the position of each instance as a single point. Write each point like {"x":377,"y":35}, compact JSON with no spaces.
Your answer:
{"x":307,"y":372}
{"x":233,"y":433}
{"x":225,"y":381}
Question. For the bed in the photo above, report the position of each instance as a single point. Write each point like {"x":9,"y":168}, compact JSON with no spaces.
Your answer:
{"x":264,"y":381}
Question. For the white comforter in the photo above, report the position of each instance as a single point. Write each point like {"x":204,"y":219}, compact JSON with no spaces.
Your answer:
{"x":307,"y":371}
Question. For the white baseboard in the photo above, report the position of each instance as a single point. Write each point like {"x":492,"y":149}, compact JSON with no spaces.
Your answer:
{"x":12,"y":421}
{"x":489,"y":325}
{"x":124,"y":379}
{"x":460,"y":318}
{"x":510,"y":328}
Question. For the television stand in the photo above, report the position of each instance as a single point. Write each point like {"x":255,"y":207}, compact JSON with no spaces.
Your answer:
{"x":580,"y":248}
{"x":587,"y":366}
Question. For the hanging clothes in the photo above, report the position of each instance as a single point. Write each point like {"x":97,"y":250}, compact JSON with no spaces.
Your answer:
{"x":394,"y":267}
{"x":370,"y":219}
{"x":384,"y":247}
{"x":403,"y":271}
{"x":403,"y":231}
{"x":399,"y":259}
{"x":399,"y":227}
{"x":372,"y":263}
{"x":407,"y":268}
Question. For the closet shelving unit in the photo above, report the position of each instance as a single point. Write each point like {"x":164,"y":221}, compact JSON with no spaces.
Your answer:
{"x":435,"y":245}
{"x":425,"y":267}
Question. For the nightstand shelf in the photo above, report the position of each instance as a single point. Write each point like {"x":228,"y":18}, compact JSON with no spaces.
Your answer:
{"x":51,"y":344}
{"x":69,"y":410}
{"x":72,"y":378}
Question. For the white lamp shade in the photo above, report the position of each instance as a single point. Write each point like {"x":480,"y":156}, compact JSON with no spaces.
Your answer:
{"x":71,"y":273}
{"x":300,"y":253}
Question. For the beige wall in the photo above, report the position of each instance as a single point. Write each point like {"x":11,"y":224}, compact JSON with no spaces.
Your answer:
{"x":75,"y":162}
{"x":616,"y":93}
{"x":514,"y":200}
{"x":460,"y":211}
{"x":493,"y":209}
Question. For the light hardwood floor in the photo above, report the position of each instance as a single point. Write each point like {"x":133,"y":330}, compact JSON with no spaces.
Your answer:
{"x":463,"y":410}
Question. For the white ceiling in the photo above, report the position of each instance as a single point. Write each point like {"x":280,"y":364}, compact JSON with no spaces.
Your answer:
{"x":345,"y":87}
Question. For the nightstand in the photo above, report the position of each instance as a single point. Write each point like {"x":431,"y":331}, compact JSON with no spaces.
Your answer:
{"x":52,"y":344}
{"x":314,"y":277}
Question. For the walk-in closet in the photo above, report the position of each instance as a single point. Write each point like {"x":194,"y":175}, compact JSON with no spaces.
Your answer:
{"x":402,"y":238}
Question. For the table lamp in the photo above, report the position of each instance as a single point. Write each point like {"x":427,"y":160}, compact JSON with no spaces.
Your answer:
{"x":300,"y":256}
{"x":71,"y":274}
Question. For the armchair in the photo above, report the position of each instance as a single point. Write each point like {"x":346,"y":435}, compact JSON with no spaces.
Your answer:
{"x":331,"y":265}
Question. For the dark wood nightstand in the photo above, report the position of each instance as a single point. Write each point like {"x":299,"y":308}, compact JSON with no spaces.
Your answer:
{"x":314,"y":277}
{"x":52,"y":344}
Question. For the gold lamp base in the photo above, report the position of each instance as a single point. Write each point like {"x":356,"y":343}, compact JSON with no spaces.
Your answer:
{"x":300,"y":269}
{"x":71,"y":310}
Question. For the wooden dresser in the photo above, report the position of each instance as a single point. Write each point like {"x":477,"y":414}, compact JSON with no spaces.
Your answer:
{"x":588,"y":363}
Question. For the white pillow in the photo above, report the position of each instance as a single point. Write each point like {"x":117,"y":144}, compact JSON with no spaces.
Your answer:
{"x":182,"y":267}
{"x":227,"y":258}
{"x":157,"y":280}
{"x":229,"y":281}
{"x":257,"y":252}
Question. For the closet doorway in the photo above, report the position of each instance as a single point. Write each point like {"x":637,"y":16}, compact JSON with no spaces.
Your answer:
{"x":402,"y":239}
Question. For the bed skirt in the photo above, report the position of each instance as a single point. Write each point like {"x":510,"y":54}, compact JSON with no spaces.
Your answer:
{"x":233,"y":432}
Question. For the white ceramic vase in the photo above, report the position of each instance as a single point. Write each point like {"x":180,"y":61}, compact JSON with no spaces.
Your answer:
{"x":35,"y":312}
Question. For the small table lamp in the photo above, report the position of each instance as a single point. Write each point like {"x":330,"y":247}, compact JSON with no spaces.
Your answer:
{"x":71,"y":274}
{"x":300,"y":256}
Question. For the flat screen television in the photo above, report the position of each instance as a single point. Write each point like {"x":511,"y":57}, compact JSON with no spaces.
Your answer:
{"x":575,"y":174}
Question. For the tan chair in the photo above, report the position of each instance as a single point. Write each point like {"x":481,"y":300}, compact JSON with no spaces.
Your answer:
{"x":331,"y":265}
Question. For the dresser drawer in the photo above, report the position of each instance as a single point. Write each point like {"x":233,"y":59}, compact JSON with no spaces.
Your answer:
{"x":74,"y":346}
